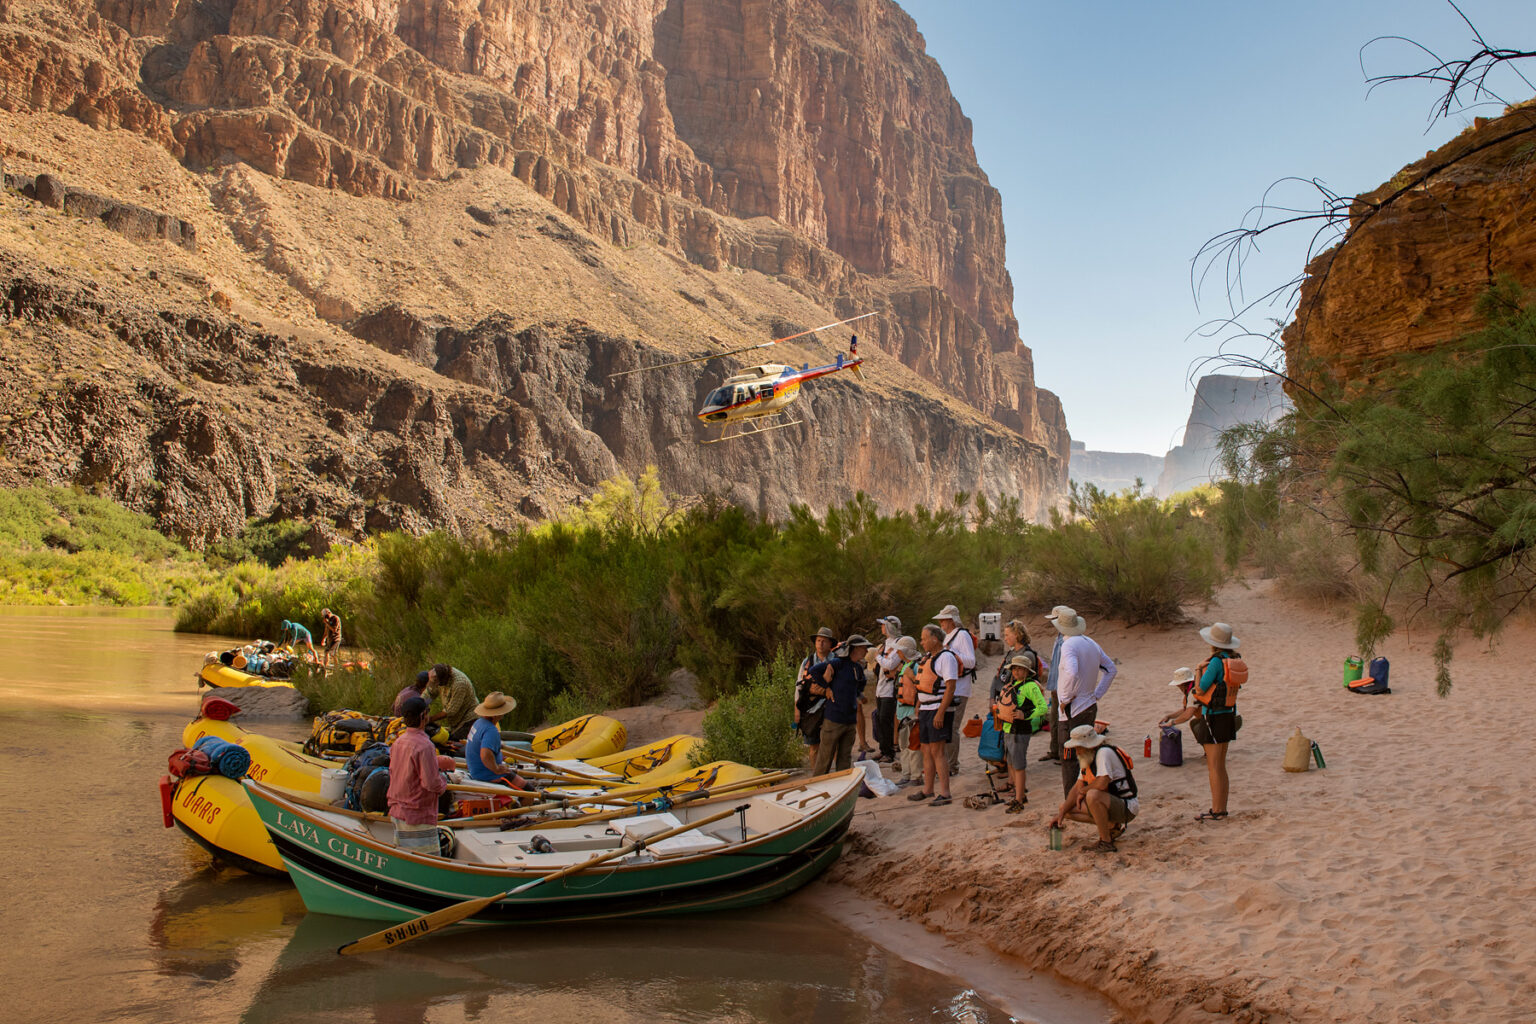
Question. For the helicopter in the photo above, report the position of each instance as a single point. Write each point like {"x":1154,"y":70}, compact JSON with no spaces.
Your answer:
{"x":747,"y":400}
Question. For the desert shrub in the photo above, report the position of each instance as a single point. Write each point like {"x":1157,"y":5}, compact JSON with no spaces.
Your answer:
{"x":357,"y":689}
{"x":270,"y":542}
{"x":252,"y":600}
{"x":752,"y":726}
{"x":1125,"y":555}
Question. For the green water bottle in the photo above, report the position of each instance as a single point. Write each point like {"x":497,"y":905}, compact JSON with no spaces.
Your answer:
{"x":1055,"y":837}
{"x":1317,"y":755}
{"x":1354,"y":668}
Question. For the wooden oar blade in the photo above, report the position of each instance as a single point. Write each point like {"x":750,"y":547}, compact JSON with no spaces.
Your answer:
{"x":417,"y":927}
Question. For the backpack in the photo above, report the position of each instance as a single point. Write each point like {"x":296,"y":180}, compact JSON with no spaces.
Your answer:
{"x":1234,"y":673}
{"x":1124,"y":788}
{"x":362,"y":765}
{"x":1375,"y":678}
{"x":963,"y":671}
{"x":990,"y":748}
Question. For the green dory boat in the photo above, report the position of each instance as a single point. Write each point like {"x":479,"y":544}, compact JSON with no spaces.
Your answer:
{"x":781,"y":838}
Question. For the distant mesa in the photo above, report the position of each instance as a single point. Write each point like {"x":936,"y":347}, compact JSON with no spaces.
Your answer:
{"x":1221,"y":401}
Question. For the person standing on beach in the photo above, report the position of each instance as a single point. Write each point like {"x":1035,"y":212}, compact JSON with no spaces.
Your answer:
{"x":415,"y":783}
{"x":1058,"y":735}
{"x":1020,"y":709}
{"x":958,"y":641}
{"x":1086,"y":672}
{"x":906,"y":712}
{"x":889,"y":662}
{"x":810,"y":695}
{"x":330,"y":639}
{"x":937,"y":676}
{"x":842,"y":680}
{"x":1213,"y":719}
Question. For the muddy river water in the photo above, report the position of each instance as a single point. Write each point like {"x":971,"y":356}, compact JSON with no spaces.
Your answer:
{"x":109,"y":916}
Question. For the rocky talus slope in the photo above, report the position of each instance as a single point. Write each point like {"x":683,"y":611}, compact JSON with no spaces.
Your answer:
{"x":485,"y":208}
{"x":1423,"y":248}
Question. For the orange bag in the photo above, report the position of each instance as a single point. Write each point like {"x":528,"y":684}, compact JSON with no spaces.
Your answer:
{"x":973,"y":727}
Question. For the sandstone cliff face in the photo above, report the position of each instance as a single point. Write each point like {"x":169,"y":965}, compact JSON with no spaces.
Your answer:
{"x":806,"y":143}
{"x":1221,"y":401}
{"x":1411,"y":272}
{"x":678,"y":119}
{"x":1113,"y":471}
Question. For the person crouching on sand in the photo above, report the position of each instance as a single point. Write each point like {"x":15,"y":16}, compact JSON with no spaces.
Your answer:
{"x":1213,"y":718}
{"x":1105,"y":791}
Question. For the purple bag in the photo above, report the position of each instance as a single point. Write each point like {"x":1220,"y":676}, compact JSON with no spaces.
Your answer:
{"x":1170,"y":747}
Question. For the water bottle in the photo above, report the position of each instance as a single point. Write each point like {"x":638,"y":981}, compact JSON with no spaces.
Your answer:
{"x":1146,"y":748}
{"x":1317,"y":755}
{"x":1055,"y":837}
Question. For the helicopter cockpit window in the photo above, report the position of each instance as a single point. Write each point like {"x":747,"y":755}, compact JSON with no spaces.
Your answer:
{"x":743,"y":394}
{"x":718,"y":398}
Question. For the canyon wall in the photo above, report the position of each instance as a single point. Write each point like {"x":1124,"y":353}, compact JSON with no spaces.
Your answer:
{"x":1221,"y":401}
{"x":811,"y":143}
{"x":1421,"y":250}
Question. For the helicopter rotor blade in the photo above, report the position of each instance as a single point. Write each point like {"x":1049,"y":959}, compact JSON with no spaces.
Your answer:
{"x":737,"y":351}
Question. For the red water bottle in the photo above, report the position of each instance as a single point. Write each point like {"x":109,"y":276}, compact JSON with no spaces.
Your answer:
{"x":1146,"y":750}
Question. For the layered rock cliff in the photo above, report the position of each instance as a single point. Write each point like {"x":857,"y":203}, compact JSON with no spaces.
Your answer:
{"x":1113,"y":471}
{"x":667,"y":174}
{"x":1421,"y":250}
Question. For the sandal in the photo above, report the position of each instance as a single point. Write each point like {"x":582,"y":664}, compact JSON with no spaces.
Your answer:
{"x":1116,"y":832}
{"x":940,"y":801}
{"x":1104,"y":846}
{"x":919,"y":795}
{"x":1016,"y":806}
{"x":1211,"y":816}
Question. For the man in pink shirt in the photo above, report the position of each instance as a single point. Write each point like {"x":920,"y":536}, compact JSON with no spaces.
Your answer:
{"x":415,"y":782}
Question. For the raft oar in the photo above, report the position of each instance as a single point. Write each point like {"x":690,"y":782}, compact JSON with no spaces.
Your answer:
{"x":617,"y":796}
{"x":440,"y":919}
{"x":640,"y":808}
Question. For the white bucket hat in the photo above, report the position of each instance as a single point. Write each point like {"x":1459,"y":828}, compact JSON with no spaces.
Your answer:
{"x":1182,"y":676}
{"x":1219,"y":634}
{"x":893,"y":622}
{"x":1067,"y":621}
{"x":1084,"y":736}
{"x":948,"y":612}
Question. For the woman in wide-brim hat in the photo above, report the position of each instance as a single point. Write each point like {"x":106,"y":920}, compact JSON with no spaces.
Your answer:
{"x":1213,"y":721}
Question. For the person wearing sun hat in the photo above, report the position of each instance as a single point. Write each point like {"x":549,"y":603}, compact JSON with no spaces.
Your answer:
{"x":1081,"y":682}
{"x":415,"y":782}
{"x":889,"y":661}
{"x":1213,"y":719}
{"x":842,"y":677}
{"x":1105,"y":791}
{"x":482,"y":750}
{"x":1184,"y":679}
{"x":959,"y":641}
{"x":810,"y":695}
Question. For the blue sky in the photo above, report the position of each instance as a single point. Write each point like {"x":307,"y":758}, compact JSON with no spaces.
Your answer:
{"x":1122,"y":135}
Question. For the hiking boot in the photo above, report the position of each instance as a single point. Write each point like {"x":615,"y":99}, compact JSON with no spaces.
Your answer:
{"x":1015,"y":806}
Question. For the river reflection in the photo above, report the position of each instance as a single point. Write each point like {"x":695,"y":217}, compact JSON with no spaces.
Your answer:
{"x":111,"y":916}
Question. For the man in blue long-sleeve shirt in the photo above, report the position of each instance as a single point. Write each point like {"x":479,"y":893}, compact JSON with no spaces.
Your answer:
{"x":842,"y":680}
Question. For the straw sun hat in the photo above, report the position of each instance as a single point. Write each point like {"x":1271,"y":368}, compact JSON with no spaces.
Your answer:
{"x":1219,"y":634}
{"x":495,"y":705}
{"x":1084,"y":736}
{"x":1182,"y":677}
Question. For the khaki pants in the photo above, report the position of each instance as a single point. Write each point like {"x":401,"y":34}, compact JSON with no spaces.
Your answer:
{"x":836,"y":750}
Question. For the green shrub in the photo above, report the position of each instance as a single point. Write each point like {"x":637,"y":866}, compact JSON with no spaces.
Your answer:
{"x":252,"y":600}
{"x":357,"y":689}
{"x":1126,"y":555}
{"x":752,"y":725}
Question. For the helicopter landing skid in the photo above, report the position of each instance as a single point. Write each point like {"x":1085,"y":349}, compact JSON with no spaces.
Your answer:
{"x":748,"y":430}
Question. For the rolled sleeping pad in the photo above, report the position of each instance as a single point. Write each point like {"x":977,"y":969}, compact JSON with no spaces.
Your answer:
{"x":229,"y":759}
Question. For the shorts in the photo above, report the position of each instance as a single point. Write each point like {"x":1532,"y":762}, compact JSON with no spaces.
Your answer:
{"x":1119,"y":811}
{"x":1016,"y":749}
{"x":926,"y":733}
{"x":810,"y":727}
{"x":416,"y":838}
{"x":1214,"y":729}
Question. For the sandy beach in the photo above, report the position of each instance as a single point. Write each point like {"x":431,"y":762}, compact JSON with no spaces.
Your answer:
{"x":1385,"y":887}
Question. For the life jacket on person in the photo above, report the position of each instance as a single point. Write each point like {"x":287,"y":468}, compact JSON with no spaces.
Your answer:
{"x":928,"y":680}
{"x":906,"y":685}
{"x":1234,"y":673}
{"x":1124,"y":788}
{"x":962,"y":671}
{"x":1018,"y":710}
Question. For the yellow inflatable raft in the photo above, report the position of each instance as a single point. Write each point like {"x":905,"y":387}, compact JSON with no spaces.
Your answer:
{"x":581,"y":738}
{"x":219,"y":817}
{"x":215,"y":674}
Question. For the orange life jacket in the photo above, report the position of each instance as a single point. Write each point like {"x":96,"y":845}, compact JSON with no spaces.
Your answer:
{"x":1234,"y":673}
{"x":928,"y":680}
{"x":1124,"y":788}
{"x":907,"y":687}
